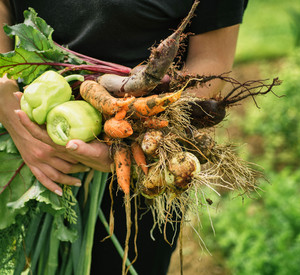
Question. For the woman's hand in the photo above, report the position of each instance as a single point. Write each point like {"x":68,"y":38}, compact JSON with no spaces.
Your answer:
{"x":49,"y":162}
{"x":93,"y":154}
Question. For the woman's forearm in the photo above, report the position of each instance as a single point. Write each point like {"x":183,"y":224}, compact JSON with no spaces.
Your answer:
{"x":211,"y":53}
{"x":6,"y":44}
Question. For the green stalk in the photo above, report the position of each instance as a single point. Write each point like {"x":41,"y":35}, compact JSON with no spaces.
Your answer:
{"x":42,"y":240}
{"x":60,"y":131}
{"x":52,"y":262}
{"x":72,"y":77}
{"x":85,"y":258}
{"x":115,"y":241}
{"x":30,"y":238}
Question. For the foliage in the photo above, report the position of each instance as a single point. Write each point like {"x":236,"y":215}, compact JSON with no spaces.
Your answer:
{"x":261,"y":236}
{"x":277,"y":121}
{"x":269,"y":30}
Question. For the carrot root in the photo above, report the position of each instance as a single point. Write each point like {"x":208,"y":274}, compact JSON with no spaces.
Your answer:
{"x":139,"y":156}
{"x":152,"y":105}
{"x":155,"y":123}
{"x":101,"y":99}
{"x":116,"y":128}
{"x":122,"y":162}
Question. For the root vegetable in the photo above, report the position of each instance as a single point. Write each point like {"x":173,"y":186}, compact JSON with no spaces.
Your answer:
{"x":151,"y":141}
{"x":122,"y":162}
{"x":154,"y":184}
{"x":146,"y":79}
{"x":101,"y":99}
{"x":152,"y":105}
{"x":139,"y":156}
{"x":155,"y":123}
{"x":183,"y":167}
{"x":207,"y":113}
{"x":116,"y":128}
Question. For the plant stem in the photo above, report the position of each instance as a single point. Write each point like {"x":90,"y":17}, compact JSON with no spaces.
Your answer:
{"x":85,"y":259}
{"x":72,"y":67}
{"x":29,"y":243}
{"x":115,"y":241}
{"x":42,"y":240}
{"x":60,"y":131}
{"x":73,"y":77}
{"x":94,"y":60}
{"x":52,"y":262}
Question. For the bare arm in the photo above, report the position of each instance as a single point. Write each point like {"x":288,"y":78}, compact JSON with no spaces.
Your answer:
{"x":5,"y":18}
{"x":212,"y":53}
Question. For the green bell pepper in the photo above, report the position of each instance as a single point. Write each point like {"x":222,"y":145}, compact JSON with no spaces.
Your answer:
{"x":75,"y":119}
{"x":45,"y":92}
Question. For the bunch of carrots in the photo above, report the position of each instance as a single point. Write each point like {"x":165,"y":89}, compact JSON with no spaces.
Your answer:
{"x":153,"y":126}
{"x":125,"y":104}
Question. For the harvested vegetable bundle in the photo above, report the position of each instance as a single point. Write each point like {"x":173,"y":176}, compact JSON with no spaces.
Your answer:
{"x":160,"y":141}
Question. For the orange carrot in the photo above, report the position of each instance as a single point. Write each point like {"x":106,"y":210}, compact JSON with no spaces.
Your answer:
{"x":139,"y":156}
{"x":121,"y":114}
{"x":152,"y":105}
{"x":155,"y":123}
{"x":123,"y":165}
{"x":107,"y":140}
{"x":117,"y":128}
{"x":100,"y":98}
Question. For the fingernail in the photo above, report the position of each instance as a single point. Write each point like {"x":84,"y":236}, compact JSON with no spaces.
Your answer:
{"x":17,"y":113}
{"x":78,"y":184}
{"x":72,"y":146}
{"x":15,"y":94}
{"x":58,"y":192}
{"x":87,"y":169}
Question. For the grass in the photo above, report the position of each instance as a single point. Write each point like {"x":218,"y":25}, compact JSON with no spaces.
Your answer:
{"x":268,"y":30}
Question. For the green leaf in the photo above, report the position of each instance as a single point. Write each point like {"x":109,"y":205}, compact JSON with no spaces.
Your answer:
{"x":29,"y":38}
{"x":6,"y":143}
{"x":35,"y":51}
{"x":49,"y":202}
{"x":31,"y":19}
{"x":64,"y":233}
{"x":20,"y":182}
{"x":23,"y":64}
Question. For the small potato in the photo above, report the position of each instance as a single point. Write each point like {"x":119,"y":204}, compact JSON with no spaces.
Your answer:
{"x":154,"y":184}
{"x":151,"y":141}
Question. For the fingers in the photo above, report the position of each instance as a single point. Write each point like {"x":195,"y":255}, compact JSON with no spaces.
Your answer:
{"x":39,"y":132}
{"x":50,"y":178}
{"x":34,"y":129}
{"x":66,"y":167}
{"x":18,"y":95}
{"x":93,"y":154}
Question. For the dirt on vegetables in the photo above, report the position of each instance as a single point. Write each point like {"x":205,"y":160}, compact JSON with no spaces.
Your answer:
{"x":197,"y":260}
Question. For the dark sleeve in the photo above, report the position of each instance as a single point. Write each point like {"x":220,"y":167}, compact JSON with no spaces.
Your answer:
{"x":215,"y":14}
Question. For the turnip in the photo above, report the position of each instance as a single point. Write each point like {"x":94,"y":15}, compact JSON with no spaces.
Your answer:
{"x":183,"y":168}
{"x":150,"y":142}
{"x":154,"y":184}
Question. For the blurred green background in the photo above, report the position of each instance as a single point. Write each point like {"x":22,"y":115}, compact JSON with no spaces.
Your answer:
{"x":261,"y":235}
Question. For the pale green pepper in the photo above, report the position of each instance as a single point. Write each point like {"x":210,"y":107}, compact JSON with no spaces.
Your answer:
{"x":75,"y":119}
{"x":45,"y":92}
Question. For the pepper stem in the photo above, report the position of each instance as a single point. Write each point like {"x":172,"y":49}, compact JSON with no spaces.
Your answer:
{"x":72,"y":77}
{"x":60,"y":131}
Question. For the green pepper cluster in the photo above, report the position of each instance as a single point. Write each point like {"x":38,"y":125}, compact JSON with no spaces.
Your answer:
{"x":48,"y":100}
